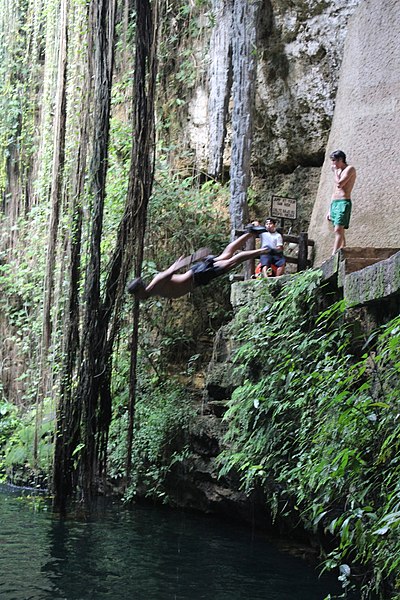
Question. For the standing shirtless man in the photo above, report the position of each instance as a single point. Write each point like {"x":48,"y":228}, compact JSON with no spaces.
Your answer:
{"x":340,"y":209}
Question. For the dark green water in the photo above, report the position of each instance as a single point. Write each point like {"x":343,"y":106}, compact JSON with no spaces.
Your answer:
{"x":143,"y":553}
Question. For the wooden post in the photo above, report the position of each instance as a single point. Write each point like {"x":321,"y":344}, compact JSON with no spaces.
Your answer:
{"x":249,"y":265}
{"x":302,"y":257}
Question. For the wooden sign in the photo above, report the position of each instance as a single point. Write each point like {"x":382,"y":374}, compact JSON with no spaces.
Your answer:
{"x":284,"y":208}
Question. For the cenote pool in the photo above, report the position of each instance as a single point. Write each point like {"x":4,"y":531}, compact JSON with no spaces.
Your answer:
{"x":143,"y":553}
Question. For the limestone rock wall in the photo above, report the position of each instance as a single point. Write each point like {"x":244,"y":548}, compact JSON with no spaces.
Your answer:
{"x":366,"y":126}
{"x":299,"y":49}
{"x":304,"y":48}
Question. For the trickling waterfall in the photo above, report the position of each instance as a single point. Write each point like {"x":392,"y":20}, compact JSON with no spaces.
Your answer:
{"x":244,"y":60}
{"x":233,"y":68}
{"x":220,"y":77}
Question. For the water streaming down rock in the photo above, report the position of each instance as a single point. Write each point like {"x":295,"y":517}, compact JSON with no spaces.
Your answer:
{"x":233,"y":64}
{"x":245,"y":15}
{"x":220,"y":83}
{"x":299,"y":51}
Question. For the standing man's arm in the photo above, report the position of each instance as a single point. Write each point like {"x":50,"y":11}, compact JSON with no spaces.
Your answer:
{"x":345,"y":176}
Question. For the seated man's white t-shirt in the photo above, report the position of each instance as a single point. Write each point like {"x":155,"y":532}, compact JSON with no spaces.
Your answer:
{"x":271,"y":240}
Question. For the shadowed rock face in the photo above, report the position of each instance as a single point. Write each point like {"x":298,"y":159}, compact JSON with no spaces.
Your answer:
{"x":366,"y":126}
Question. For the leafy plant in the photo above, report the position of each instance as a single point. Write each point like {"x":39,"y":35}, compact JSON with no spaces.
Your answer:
{"x":316,"y":428}
{"x":19,"y":464}
{"x":163,"y":417}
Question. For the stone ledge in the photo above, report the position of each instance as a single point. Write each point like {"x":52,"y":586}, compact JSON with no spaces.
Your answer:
{"x":373,"y":283}
{"x":330,"y":268}
{"x":364,"y":275}
{"x":338,"y":267}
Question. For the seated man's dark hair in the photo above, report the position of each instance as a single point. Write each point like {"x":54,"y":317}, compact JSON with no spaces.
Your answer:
{"x":338,"y":155}
{"x":271,"y":219}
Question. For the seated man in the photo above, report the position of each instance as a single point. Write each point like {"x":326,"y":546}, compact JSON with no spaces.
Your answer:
{"x":170,"y":284}
{"x":273,"y":240}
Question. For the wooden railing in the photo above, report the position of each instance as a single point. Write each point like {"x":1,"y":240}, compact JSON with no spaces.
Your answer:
{"x":302,"y":261}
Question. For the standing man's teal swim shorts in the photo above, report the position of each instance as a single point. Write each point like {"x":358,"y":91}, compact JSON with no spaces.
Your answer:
{"x":340,"y":212}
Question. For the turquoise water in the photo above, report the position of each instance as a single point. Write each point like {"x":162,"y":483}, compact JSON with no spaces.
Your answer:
{"x":143,"y":553}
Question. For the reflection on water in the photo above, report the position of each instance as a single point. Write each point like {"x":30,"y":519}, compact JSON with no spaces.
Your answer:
{"x":143,"y":553}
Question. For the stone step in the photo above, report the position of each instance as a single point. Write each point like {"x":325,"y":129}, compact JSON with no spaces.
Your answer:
{"x":379,"y":282}
{"x":372,"y":253}
{"x":352,"y":259}
{"x":356,"y":264}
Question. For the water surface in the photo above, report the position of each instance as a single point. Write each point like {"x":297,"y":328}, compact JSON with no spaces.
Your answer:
{"x":143,"y":553}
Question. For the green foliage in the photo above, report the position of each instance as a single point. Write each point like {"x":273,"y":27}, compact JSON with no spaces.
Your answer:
{"x":18,"y":79}
{"x":17,"y":434}
{"x":21,"y":286}
{"x":185,"y":214}
{"x":9,"y":421}
{"x":162,"y":420}
{"x":317,"y":429}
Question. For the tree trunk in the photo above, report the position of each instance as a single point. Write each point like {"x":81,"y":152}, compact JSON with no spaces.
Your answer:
{"x":83,"y":424}
{"x":68,"y":411}
{"x":55,"y":203}
{"x":56,"y":179}
{"x":142,"y":168}
{"x":12,"y":192}
{"x":132,"y":227}
{"x":102,"y":24}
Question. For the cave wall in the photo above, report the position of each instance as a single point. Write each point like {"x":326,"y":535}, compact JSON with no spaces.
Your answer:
{"x":327,"y":78}
{"x":299,"y":49}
